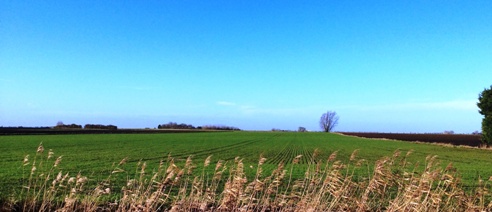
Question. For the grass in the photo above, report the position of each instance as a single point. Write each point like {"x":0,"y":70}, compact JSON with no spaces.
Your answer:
{"x":96,"y":158}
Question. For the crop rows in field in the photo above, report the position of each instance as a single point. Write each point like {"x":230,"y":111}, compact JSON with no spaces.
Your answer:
{"x":213,"y":150}
{"x":289,"y":150}
{"x":454,"y":139}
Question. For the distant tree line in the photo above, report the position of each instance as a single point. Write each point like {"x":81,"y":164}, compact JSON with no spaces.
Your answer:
{"x":22,"y":127}
{"x":67,"y":126}
{"x":100,"y":126}
{"x":300,"y":129}
{"x":280,"y":130}
{"x":60,"y":125}
{"x":174,"y":125}
{"x":219,"y":127}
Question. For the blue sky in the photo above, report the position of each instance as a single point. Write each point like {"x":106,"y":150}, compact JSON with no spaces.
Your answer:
{"x":385,"y":66}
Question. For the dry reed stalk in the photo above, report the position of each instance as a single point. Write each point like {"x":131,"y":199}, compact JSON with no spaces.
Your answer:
{"x":233,"y":187}
{"x":252,"y":193}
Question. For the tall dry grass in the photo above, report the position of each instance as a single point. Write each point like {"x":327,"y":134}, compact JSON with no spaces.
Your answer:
{"x":328,"y":184}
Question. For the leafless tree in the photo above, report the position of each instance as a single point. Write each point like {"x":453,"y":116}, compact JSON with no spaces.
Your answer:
{"x":328,"y":121}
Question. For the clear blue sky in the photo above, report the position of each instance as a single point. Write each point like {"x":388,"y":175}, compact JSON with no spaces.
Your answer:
{"x":386,"y":66}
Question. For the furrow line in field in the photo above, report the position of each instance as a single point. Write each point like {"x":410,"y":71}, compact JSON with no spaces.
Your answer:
{"x":279,"y":157}
{"x":290,"y":155}
{"x":308,"y":154}
{"x":297,"y":152}
{"x":209,"y":151}
{"x":284,"y":154}
{"x":212,"y":151}
{"x":225,"y":148}
{"x":247,"y":154}
{"x":304,"y":155}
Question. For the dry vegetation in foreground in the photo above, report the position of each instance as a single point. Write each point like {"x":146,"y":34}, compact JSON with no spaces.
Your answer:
{"x":328,"y":185}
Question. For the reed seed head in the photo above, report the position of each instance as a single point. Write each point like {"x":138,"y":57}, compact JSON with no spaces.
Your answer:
{"x":354,"y":154}
{"x":59,"y":176}
{"x":25,"y":162}
{"x":123,"y":161}
{"x":261,"y":161}
{"x":333,"y":156}
{"x":144,"y":165}
{"x":297,"y":159}
{"x":396,"y":153}
{"x":218,"y":165}
{"x":82,"y":180}
{"x":50,"y":154}
{"x":71,"y":180}
{"x":207,"y":161}
{"x":57,"y":162}
{"x":40,"y":148}
{"x":409,"y":152}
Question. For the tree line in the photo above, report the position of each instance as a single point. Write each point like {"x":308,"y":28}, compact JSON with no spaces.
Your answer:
{"x":174,"y":125}
{"x":100,"y":126}
{"x":60,"y":125}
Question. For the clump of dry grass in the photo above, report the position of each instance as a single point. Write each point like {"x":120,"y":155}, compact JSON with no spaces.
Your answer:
{"x":328,"y":185}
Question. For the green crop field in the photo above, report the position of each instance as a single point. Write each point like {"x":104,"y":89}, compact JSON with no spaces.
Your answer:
{"x":95,"y":155}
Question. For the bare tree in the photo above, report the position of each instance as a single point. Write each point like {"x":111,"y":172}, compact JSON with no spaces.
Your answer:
{"x":328,"y":121}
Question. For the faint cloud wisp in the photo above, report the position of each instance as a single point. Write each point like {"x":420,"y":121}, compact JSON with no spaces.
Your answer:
{"x":225,"y":103}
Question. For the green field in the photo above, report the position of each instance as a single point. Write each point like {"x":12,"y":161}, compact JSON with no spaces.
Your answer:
{"x":94,"y":155}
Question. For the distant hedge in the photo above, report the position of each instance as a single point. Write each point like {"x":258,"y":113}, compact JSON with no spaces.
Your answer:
{"x":100,"y":126}
{"x":68,"y":126}
{"x":174,"y":125}
{"x":454,"y":139}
